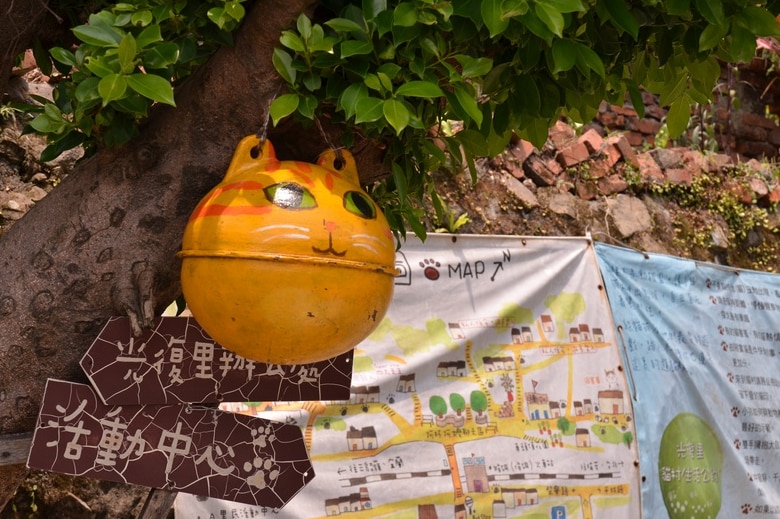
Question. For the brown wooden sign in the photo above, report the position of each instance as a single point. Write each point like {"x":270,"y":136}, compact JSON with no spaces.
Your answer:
{"x":177,"y":362}
{"x":197,"y":450}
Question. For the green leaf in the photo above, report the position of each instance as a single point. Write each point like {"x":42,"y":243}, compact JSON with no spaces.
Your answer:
{"x":473,"y":142}
{"x":678,"y":7}
{"x":425,"y":89}
{"x":712,"y":35}
{"x":712,"y":11}
{"x":672,"y":89}
{"x":87,"y":90}
{"x":513,"y":8}
{"x":292,"y":41}
{"x":636,"y":97}
{"x":303,"y":24}
{"x":283,"y":64}
{"x":493,"y":17}
{"x":126,"y":53}
{"x":468,"y":103}
{"x":526,"y":97}
{"x":474,"y":67}
{"x":372,"y":8}
{"x":564,"y":54}
{"x":758,"y":20}
{"x":42,"y":58}
{"x":678,"y":115}
{"x":550,"y":17}
{"x":623,"y":18}
{"x":149,"y":35}
{"x":351,"y":97}
{"x":343,"y":25}
{"x":112,"y":87}
{"x":368,"y":110}
{"x":396,"y":114}
{"x":68,"y":141}
{"x":235,"y":10}
{"x":98,"y":36}
{"x":405,"y":14}
{"x":141,"y":18}
{"x":587,"y":59}
{"x":743,"y":44}
{"x":307,"y":106}
{"x":151,"y":86}
{"x":355,"y":47}
{"x":161,"y":55}
{"x":63,"y":56}
{"x":283,"y":106}
{"x":536,"y":131}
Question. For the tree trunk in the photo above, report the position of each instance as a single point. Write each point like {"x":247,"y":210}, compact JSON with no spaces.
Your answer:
{"x":104,"y":242}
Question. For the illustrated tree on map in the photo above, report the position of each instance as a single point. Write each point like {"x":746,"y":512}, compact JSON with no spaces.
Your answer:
{"x":565,"y":308}
{"x":438,"y":405}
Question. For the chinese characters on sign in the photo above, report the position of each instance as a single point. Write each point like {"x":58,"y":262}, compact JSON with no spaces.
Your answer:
{"x":197,"y":450}
{"x":177,"y":362}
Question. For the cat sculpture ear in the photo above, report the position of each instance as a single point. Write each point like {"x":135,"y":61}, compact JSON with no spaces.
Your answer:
{"x":342,"y":161}
{"x":252,"y":154}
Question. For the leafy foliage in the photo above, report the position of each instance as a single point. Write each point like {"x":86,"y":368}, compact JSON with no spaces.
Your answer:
{"x":128,"y":56}
{"x":398,"y":71}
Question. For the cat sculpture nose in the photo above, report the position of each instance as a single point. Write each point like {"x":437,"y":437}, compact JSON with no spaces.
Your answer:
{"x":329,"y":225}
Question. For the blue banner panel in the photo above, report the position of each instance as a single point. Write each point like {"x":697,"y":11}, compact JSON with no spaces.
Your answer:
{"x":702,"y":344}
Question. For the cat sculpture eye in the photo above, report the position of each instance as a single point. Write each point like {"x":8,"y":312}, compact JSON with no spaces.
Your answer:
{"x":289,"y":195}
{"x":357,"y":203}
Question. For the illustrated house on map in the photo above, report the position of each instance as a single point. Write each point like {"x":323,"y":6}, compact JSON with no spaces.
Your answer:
{"x":587,"y":406}
{"x":455,"y":368}
{"x":582,"y":437}
{"x":584,"y":332}
{"x":361,"y":439}
{"x":611,"y":401}
{"x":547,"y":323}
{"x":538,"y":406}
{"x":574,"y":334}
{"x":598,"y":335}
{"x":427,"y":512}
{"x":520,"y":497}
{"x":364,"y":394}
{"x":406,"y":384}
{"x":517,"y":336}
{"x":498,"y":363}
{"x":527,"y":335}
{"x":577,"y":408}
{"x":499,"y":509}
{"x":555,"y":409}
{"x":476,"y":474}
{"x":455,"y":331}
{"x":354,"y":502}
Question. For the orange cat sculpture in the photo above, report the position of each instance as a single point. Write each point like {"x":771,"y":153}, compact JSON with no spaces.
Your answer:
{"x":287,"y":262}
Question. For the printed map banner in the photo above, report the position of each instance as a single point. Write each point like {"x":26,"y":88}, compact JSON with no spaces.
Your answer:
{"x":702,"y":343}
{"x":492,"y":388}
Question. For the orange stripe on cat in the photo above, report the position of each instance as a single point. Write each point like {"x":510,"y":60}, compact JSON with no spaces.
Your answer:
{"x":230,"y":210}
{"x":248,"y":185}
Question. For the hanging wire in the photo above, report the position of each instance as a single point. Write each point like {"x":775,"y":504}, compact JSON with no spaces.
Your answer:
{"x":262,"y":135}
{"x":339,"y":162}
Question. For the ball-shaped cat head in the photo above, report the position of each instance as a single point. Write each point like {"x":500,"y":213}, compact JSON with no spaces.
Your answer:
{"x":285,"y":252}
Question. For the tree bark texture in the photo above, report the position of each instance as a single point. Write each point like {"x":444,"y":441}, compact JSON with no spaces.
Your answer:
{"x":104,"y":242}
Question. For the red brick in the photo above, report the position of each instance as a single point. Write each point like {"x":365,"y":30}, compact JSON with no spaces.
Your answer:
{"x":627,"y":111}
{"x":586,"y":190}
{"x":635,"y":139}
{"x":774,"y":195}
{"x":612,"y":184}
{"x":600,"y":168}
{"x":717,"y":161}
{"x":553,"y":166}
{"x":758,"y":186}
{"x":521,"y":150}
{"x":561,"y":134}
{"x":621,"y":144}
{"x":743,"y":193}
{"x":537,"y":170}
{"x":648,"y":168}
{"x":646,"y":126}
{"x":515,"y":169}
{"x":752,"y":119}
{"x":573,"y":154}
{"x":592,"y":140}
{"x":695,"y":161}
{"x":679,"y":176}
